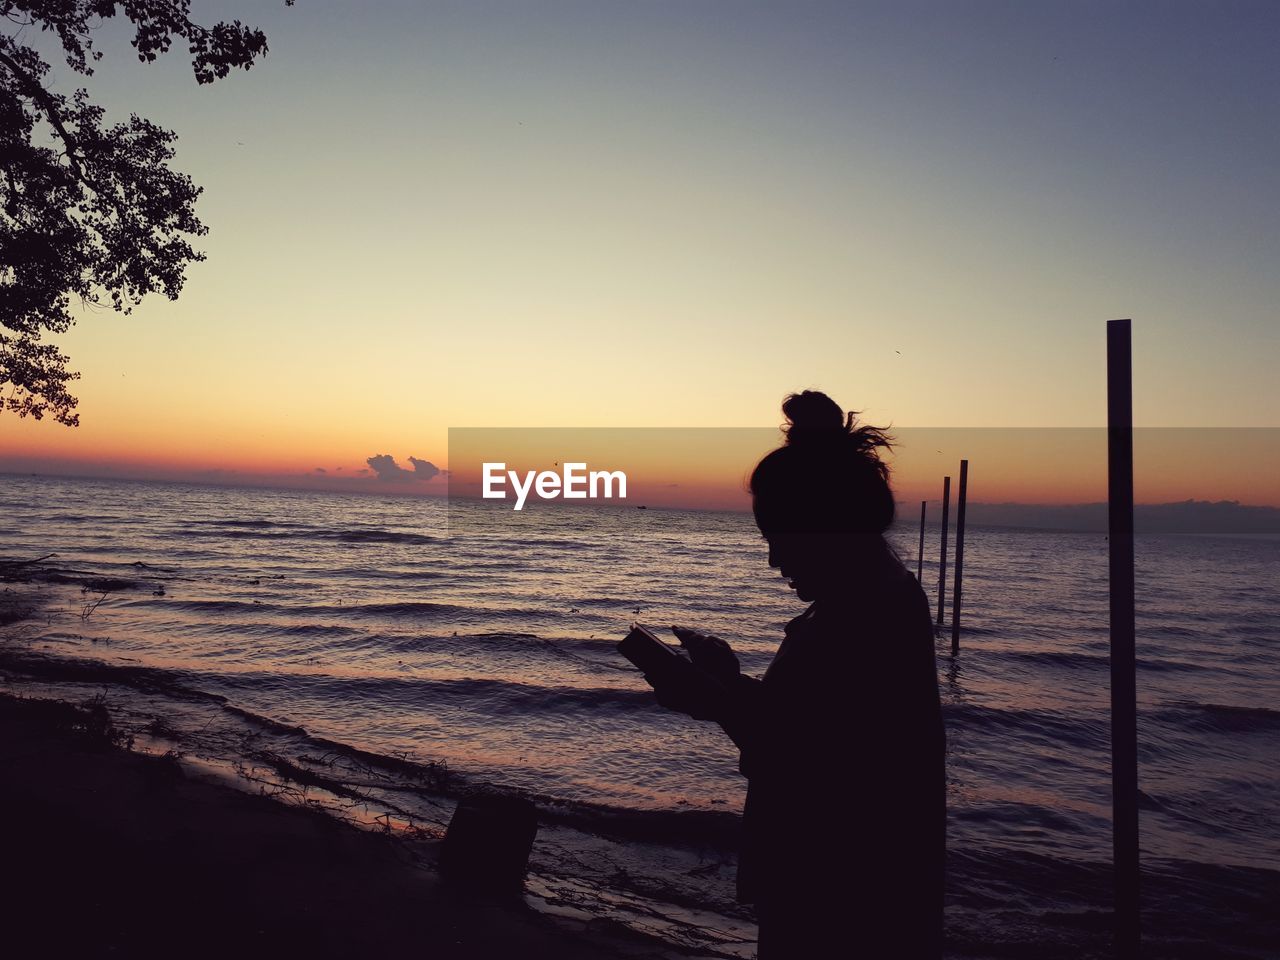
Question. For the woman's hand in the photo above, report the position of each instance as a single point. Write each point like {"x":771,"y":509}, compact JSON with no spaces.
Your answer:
{"x":710,"y":654}
{"x":687,"y":692}
{"x":700,"y":686}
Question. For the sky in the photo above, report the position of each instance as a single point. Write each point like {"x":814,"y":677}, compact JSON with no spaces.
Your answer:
{"x":425,"y":216}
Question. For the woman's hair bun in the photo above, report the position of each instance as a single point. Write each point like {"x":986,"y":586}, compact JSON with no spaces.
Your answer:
{"x":812,"y":415}
{"x":828,"y":477}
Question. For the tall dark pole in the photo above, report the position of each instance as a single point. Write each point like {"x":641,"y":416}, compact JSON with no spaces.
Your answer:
{"x":1124,"y":709}
{"x":955,"y":599}
{"x":920,"y":553}
{"x":942,"y":555}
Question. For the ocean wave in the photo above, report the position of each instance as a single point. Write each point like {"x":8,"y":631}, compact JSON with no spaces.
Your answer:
{"x":1220,"y":718}
{"x":272,"y":530}
{"x":1019,"y":723}
{"x":177,"y":684}
{"x":1079,"y":659}
{"x":487,"y":640}
{"x":213,"y":606}
{"x":248,"y":533}
{"x":584,"y":544}
{"x":373,"y":536}
{"x":88,"y":518}
{"x":408,"y":576}
{"x":404,"y":609}
{"x":253,"y":524}
{"x":1054,"y":658}
{"x":308,"y":629}
{"x":626,"y":603}
{"x":86,"y":581}
{"x":407,"y":611}
{"x":496,"y":697}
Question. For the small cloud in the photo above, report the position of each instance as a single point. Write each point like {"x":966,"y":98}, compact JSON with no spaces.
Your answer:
{"x":363,"y":471}
{"x":424,"y":469}
{"x":385,"y":466}
{"x":320,"y":470}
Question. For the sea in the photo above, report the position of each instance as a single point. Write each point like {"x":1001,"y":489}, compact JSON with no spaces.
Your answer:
{"x":382,"y":656}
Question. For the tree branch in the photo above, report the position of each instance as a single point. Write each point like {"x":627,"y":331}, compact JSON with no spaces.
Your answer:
{"x":42,"y":97}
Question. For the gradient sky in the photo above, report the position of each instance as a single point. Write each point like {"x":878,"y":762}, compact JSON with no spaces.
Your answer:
{"x":536,"y":214}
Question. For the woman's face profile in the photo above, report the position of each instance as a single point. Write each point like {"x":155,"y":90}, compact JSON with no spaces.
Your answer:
{"x":806,"y":561}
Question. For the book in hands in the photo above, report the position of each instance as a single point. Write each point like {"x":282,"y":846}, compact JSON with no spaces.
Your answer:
{"x":681,"y":684}
{"x":649,"y":654}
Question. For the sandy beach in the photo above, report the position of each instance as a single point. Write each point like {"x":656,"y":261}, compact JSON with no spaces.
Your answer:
{"x":113,"y":852}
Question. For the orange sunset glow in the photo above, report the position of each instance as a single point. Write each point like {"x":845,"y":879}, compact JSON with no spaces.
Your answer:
{"x":677,"y":247}
{"x":709,"y":468}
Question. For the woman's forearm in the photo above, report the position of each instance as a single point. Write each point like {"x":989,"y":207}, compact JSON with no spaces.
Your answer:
{"x":740,"y":716}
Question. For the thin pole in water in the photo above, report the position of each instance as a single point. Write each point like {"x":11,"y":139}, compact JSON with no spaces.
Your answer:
{"x":955,"y":600}
{"x":1124,"y":710}
{"x":942,"y":556}
{"x":920,"y":552}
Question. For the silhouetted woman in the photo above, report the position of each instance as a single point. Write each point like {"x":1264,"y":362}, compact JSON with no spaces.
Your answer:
{"x":842,"y":740}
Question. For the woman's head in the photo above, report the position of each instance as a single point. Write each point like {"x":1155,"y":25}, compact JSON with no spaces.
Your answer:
{"x":822,"y":499}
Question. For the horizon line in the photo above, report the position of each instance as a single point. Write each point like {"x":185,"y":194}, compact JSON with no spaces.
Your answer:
{"x":375,"y":487}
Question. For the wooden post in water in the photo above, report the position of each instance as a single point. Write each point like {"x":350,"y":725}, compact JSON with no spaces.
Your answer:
{"x":942,"y":555}
{"x":920,"y":552}
{"x":1124,"y":710}
{"x":955,"y":599}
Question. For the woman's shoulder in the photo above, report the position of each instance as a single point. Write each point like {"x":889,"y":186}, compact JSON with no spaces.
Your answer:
{"x":889,"y":587}
{"x":886,"y":603}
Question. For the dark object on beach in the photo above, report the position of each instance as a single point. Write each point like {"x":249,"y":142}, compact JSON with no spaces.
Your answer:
{"x":486,"y":849}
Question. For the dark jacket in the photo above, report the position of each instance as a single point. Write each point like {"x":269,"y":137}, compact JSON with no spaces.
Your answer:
{"x":843,"y":749}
